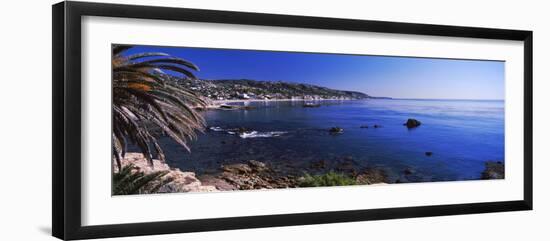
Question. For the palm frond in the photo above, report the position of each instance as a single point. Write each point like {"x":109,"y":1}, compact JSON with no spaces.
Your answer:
{"x":129,"y":180}
{"x":147,"y":98}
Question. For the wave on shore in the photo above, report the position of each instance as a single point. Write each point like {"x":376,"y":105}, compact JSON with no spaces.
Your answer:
{"x":254,"y":134}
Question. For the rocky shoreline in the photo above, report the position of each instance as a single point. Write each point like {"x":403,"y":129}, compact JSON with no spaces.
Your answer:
{"x":253,"y":174}
{"x":181,"y":181}
{"x":493,"y":170}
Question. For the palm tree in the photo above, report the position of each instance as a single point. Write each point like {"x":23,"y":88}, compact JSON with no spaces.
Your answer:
{"x":146,"y":96}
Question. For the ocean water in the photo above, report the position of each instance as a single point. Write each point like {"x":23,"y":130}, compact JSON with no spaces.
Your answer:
{"x":461,"y":134}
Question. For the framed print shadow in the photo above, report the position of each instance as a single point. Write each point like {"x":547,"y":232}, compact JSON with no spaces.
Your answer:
{"x":171,"y":120}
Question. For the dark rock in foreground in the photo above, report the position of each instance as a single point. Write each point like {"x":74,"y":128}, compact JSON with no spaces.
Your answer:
{"x":252,"y":175}
{"x":429,"y":153}
{"x":412,"y":123}
{"x":493,"y":170}
{"x":219,"y":183}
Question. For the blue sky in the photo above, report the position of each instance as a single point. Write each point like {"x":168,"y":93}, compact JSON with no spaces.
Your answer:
{"x":397,"y":77}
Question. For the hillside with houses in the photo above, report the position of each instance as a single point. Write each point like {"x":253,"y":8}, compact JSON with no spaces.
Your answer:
{"x":231,"y":89}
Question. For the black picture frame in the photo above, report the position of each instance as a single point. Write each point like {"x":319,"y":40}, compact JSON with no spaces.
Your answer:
{"x":66,"y":47}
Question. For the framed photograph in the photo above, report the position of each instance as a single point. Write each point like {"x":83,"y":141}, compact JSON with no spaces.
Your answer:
{"x":169,"y":120}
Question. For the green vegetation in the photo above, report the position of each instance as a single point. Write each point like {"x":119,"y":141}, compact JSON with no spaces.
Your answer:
{"x":145,"y":98}
{"x":130,"y":181}
{"x":329,"y":179}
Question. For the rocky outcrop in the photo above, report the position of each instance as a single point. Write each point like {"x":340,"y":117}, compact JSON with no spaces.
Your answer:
{"x":493,"y":170}
{"x":336,"y":130}
{"x":252,"y":175}
{"x":247,"y":176}
{"x":372,"y":176}
{"x":412,"y":123}
{"x":181,"y":181}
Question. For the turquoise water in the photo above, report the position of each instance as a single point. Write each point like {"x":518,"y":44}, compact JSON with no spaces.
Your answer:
{"x":461,"y":134}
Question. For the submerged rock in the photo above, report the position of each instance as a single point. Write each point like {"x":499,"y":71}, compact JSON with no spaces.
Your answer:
{"x":321,"y":164}
{"x":428,"y":153}
{"x":408,"y":171}
{"x":377,"y":126}
{"x":346,"y":166}
{"x":364,"y":126}
{"x":493,"y":170}
{"x":412,"y":123}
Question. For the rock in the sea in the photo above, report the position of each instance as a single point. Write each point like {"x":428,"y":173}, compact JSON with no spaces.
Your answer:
{"x":377,"y":126}
{"x":412,"y":123}
{"x":242,"y":130}
{"x":181,"y":181}
{"x":364,"y":126}
{"x":493,"y":170}
{"x":429,"y":153}
{"x":336,"y":130}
